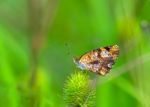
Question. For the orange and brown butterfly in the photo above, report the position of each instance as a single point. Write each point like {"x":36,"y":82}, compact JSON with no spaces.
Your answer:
{"x":99,"y":60}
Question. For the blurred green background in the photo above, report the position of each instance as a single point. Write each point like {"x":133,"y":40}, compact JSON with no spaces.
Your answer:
{"x":39,"y":38}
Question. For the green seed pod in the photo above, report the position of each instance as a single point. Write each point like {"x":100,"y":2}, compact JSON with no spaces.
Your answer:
{"x":78,"y":91}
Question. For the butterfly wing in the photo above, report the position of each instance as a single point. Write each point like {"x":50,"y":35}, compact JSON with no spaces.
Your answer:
{"x":91,"y":60}
{"x":99,"y":60}
{"x":108,"y":56}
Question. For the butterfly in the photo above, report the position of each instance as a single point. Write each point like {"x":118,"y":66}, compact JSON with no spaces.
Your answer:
{"x":99,"y":60}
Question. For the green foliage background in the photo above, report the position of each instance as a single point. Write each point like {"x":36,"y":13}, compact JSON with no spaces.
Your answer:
{"x":39,"y":38}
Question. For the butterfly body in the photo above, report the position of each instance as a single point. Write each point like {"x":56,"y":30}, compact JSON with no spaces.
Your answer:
{"x":99,"y":60}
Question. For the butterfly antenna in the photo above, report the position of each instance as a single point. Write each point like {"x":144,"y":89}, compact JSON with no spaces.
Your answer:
{"x":69,"y":53}
{"x":68,"y":50}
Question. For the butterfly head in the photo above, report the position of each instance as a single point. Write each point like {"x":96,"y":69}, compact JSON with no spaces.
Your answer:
{"x":79,"y":64}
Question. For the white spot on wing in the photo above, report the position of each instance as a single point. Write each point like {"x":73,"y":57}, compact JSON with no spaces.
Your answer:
{"x":110,"y":65}
{"x":105,"y":54}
